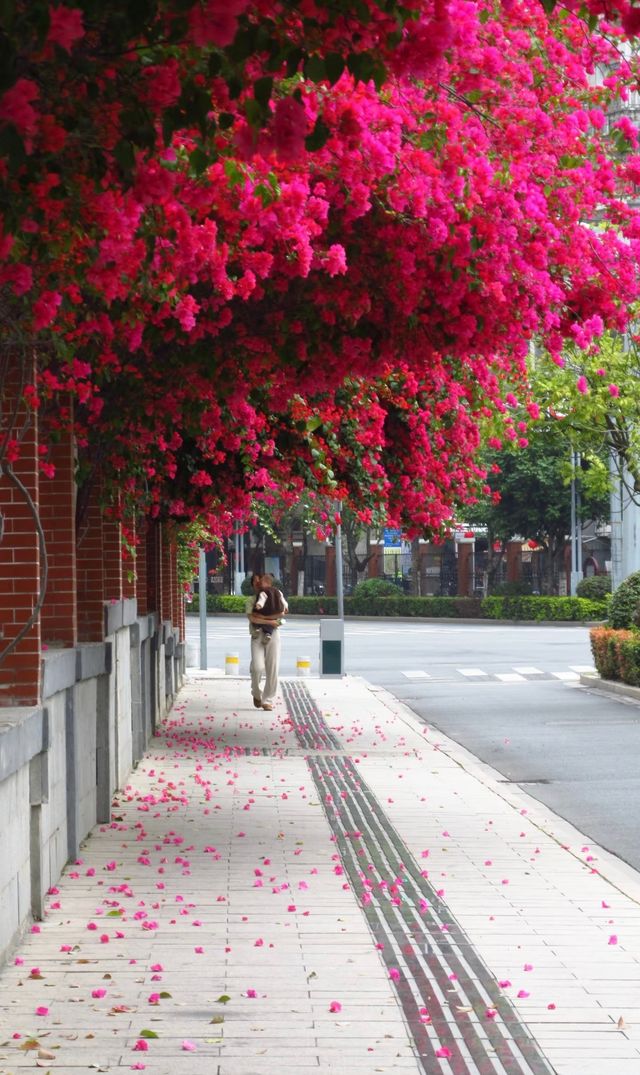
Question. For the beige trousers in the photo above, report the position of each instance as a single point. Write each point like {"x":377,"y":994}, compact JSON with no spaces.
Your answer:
{"x":265,"y":664}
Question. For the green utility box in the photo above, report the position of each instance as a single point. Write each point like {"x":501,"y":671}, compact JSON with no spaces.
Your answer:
{"x":331,"y":648}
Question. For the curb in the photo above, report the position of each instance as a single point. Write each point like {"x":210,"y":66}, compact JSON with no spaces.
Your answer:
{"x":609,"y":686}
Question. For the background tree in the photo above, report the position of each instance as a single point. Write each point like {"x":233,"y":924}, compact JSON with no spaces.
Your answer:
{"x":531,"y":497}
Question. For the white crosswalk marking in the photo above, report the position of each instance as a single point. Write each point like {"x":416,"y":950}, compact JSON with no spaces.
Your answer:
{"x":509,"y":677}
{"x":472,"y":672}
{"x":566,"y":677}
{"x":527,"y":670}
{"x":417,"y":675}
{"x":582,"y":668}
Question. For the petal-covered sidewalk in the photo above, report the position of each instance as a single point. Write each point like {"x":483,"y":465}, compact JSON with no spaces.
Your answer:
{"x":330,"y":885}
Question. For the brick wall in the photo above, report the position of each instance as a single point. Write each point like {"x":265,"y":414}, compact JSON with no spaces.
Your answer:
{"x":59,"y":618}
{"x":20,"y":553}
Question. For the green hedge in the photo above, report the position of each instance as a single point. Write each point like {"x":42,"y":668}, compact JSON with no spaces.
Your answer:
{"x":564,"y":609}
{"x":543,"y":608}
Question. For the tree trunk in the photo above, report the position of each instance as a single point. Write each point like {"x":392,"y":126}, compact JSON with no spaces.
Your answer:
{"x":415,"y":568}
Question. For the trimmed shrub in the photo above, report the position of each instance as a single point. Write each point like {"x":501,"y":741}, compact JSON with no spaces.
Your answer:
{"x":616,"y":654}
{"x":625,"y":601}
{"x":315,"y":606}
{"x":543,"y":608}
{"x":376,"y":588}
{"x":568,"y":609}
{"x":594,"y":588}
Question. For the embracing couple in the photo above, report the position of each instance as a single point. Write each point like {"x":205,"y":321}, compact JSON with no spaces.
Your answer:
{"x":265,"y":611}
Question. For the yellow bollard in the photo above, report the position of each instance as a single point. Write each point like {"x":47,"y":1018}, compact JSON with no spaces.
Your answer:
{"x":303,"y":666}
{"x":232,"y":664}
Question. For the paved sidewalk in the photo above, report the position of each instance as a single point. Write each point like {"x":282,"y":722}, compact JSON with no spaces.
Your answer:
{"x":330,"y":885}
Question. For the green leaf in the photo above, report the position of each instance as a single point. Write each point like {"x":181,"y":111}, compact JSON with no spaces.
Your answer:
{"x":124,"y":154}
{"x":217,"y":1019}
{"x":233,"y":172}
{"x":262,"y":88}
{"x":318,"y":136}
{"x":12,"y":146}
{"x":254,"y":112}
{"x":198,"y":160}
{"x":115,"y":914}
{"x":215,"y":64}
{"x":224,"y":999}
{"x":148,"y":1034}
{"x":164,"y":995}
{"x":335,"y":65}
{"x":225,"y":120}
{"x":314,"y":68}
{"x":549,"y":6}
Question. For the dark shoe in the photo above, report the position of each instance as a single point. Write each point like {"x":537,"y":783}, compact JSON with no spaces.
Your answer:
{"x":266,"y":705}
{"x":257,"y":703}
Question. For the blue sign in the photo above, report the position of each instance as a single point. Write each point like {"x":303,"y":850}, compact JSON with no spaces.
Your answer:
{"x":392,"y":539}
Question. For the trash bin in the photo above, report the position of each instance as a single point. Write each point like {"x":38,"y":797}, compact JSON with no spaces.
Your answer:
{"x":331,"y":648}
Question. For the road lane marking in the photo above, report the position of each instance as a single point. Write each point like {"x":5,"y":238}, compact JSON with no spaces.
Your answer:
{"x":416,"y":675}
{"x":510,"y":677}
{"x":527,"y":670}
{"x":472,"y":672}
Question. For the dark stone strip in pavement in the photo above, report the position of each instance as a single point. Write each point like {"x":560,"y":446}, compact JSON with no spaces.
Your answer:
{"x":423,"y":954}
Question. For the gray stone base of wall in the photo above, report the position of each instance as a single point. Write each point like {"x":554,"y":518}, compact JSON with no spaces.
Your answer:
{"x":61,"y":762}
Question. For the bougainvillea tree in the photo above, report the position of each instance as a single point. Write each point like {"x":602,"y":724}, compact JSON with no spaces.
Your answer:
{"x":269,"y":246}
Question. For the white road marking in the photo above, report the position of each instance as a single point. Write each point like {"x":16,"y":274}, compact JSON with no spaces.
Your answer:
{"x":582,"y":667}
{"x":417,"y":675}
{"x":472,"y":672}
{"x":510,"y":677}
{"x":527,"y":670}
{"x":566,"y":677}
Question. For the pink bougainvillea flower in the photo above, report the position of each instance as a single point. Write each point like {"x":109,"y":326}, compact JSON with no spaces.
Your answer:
{"x":613,"y":939}
{"x":443,"y":1053}
{"x":65,"y":26}
{"x":522,"y":994}
{"x":98,"y":993}
{"x":335,"y":1006}
{"x":42,"y":1010}
{"x":189,"y":1046}
{"x":394,"y":974}
{"x":141,"y":1046}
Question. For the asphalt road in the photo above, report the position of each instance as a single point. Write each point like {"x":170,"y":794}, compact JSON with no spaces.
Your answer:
{"x":509,"y":694}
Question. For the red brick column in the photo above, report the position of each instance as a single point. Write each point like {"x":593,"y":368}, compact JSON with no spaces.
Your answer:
{"x":375,"y":564}
{"x":112,"y":552}
{"x":142,"y":568}
{"x":514,"y":561}
{"x":20,"y":555}
{"x":59,"y":617}
{"x":177,"y":593}
{"x":465,"y":560}
{"x":153,"y":566}
{"x":89,"y":566}
{"x":130,"y":558}
{"x":166,"y":592}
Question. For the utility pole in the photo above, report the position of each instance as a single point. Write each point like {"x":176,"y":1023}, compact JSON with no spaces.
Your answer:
{"x":202,"y":599}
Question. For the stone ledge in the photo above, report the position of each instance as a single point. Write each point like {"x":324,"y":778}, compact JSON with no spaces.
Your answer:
{"x":24,"y":732}
{"x":610,"y":686}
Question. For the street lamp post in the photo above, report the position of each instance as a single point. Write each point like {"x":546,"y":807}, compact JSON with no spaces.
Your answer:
{"x":202,"y":599}
{"x":576,"y":526}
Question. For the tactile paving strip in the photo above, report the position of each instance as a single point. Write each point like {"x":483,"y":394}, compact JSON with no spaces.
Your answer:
{"x":431,"y":961}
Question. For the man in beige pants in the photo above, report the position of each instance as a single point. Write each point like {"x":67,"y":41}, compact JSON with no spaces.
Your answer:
{"x":265,"y":659}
